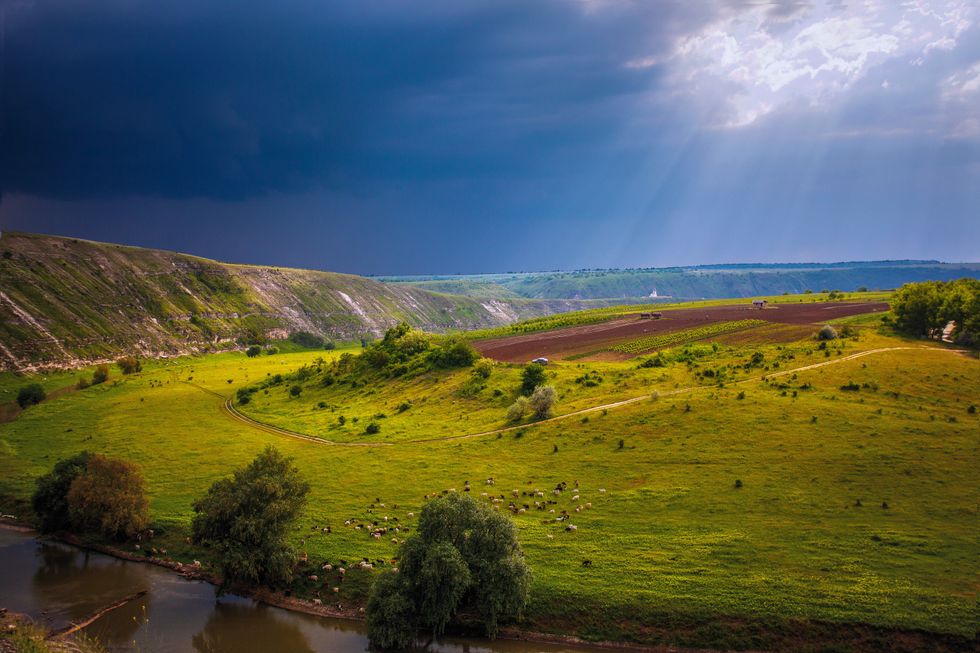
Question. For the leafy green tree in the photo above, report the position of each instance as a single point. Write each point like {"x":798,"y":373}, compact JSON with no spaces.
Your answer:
{"x":109,"y":497}
{"x":532,"y":376}
{"x":391,"y":619}
{"x":50,"y":499}
{"x":245,"y":519}
{"x":253,"y":351}
{"x":920,"y":308}
{"x":465,"y":556}
{"x":30,"y":395}
{"x":453,"y":352}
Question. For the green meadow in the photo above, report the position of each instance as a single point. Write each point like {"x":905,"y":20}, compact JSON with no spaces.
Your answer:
{"x":733,"y":489}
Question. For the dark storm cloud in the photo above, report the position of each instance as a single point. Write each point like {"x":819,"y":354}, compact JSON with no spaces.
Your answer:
{"x":189,"y":99}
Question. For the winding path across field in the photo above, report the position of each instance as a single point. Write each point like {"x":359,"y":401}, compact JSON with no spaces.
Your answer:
{"x":232,"y":413}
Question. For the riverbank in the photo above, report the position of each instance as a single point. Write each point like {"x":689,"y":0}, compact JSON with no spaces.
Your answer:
{"x":744,"y":635}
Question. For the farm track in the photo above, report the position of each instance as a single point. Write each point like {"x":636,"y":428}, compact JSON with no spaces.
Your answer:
{"x":232,"y":413}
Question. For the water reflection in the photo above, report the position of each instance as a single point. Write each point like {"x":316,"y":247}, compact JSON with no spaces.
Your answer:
{"x":235,"y":628}
{"x":54,"y":583}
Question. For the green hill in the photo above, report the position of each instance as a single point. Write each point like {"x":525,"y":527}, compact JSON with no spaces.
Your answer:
{"x":65,"y":301}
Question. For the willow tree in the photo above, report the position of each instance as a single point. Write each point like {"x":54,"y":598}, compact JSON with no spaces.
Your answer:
{"x":464,"y":557}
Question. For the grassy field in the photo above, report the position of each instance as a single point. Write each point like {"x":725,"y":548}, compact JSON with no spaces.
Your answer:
{"x":671,"y":539}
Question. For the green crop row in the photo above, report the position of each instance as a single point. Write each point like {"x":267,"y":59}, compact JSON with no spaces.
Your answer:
{"x":663,"y":340}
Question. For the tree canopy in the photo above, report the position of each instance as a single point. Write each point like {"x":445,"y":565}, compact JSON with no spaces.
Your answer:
{"x":50,"y":499}
{"x":109,"y":497}
{"x":532,"y":376}
{"x":245,"y":519}
{"x":920,"y":308}
{"x":464,"y":557}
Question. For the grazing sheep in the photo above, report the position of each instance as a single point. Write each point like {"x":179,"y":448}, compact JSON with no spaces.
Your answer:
{"x":341,"y":571}
{"x":571,"y":527}
{"x":328,"y":567}
{"x":550,"y":536}
{"x":411,"y":514}
{"x":521,"y":511}
{"x":336,"y":590}
{"x":588,"y":505}
{"x":515,"y":493}
{"x":602,"y":490}
{"x":313,"y":578}
{"x":317,"y":602}
{"x":197,"y":564}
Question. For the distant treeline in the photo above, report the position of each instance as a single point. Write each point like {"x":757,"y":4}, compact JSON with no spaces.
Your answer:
{"x":926,"y":308}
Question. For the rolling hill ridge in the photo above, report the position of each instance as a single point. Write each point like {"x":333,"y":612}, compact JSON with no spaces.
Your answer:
{"x":66,"y":301}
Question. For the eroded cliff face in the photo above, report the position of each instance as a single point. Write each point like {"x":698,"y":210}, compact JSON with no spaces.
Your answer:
{"x":67,"y":302}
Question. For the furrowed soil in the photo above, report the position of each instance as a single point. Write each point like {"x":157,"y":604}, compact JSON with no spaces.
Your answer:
{"x":561,"y":343}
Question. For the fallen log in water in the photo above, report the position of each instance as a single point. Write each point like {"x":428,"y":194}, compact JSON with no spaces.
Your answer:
{"x":75,"y":627}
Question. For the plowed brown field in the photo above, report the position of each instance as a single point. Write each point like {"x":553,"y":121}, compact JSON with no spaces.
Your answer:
{"x":560,"y":343}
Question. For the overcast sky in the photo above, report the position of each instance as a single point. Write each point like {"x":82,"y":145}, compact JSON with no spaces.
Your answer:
{"x":385,"y":136}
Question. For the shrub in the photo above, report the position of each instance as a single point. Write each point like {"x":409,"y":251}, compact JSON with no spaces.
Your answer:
{"x":253,"y":351}
{"x":109,"y":497}
{"x":295,"y":391}
{"x":738,"y":482}
{"x":129,"y":365}
{"x":30,"y":395}
{"x":329,"y":345}
{"x":542,"y":400}
{"x":532,"y":376}
{"x":271,"y":351}
{"x":518,"y":409}
{"x":827,"y":332}
{"x":244,"y":520}
{"x":373,"y":428}
{"x":464,"y":557}
{"x":82,"y":383}
{"x":453,"y":352}
{"x":482,"y":369}
{"x":101,"y":374}
{"x":244,"y":395}
{"x":50,"y":498}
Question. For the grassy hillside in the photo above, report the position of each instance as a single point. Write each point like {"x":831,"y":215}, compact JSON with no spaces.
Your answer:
{"x":65,"y":300}
{"x":698,"y":282}
{"x":727,"y":509}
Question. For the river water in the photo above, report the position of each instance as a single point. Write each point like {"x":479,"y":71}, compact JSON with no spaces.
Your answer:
{"x":56,"y":584}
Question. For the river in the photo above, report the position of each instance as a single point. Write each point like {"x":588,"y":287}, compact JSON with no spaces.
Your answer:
{"x":55,"y":584}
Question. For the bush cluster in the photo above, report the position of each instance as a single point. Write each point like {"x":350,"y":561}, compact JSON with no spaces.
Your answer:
{"x":90,"y":493}
{"x":922,"y":309}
